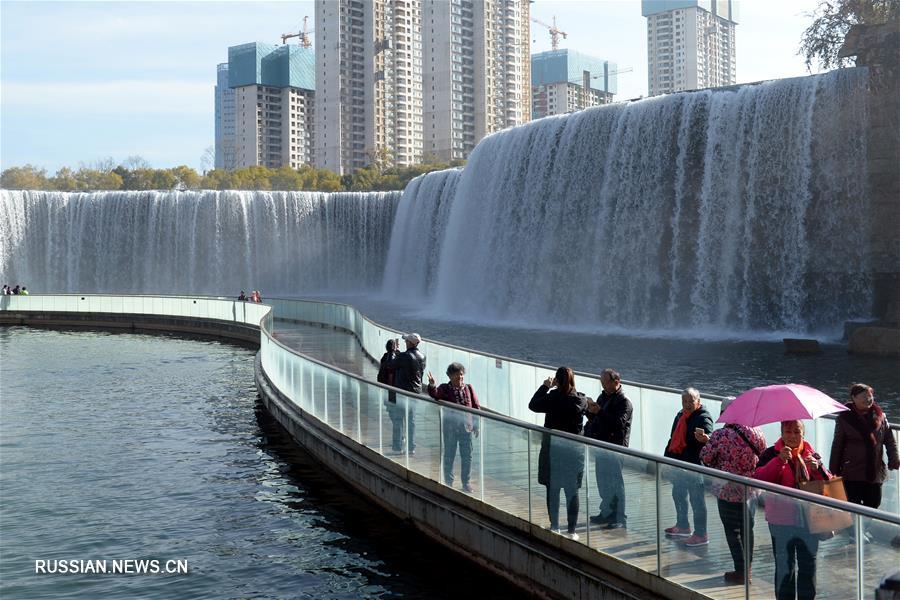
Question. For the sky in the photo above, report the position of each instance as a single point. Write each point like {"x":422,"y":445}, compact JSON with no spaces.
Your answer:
{"x":85,"y":81}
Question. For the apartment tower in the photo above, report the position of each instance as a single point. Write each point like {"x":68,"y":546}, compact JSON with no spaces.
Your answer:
{"x":564,"y":81}
{"x":690,"y":44}
{"x":369,"y":83}
{"x":477,"y":70}
{"x":273,"y":101}
{"x":224,"y":120}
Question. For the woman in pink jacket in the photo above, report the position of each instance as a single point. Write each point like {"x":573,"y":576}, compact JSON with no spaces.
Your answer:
{"x":790,"y":461}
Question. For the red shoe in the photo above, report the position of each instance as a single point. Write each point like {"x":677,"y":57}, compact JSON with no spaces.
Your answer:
{"x":677,"y":531}
{"x":696,"y":540}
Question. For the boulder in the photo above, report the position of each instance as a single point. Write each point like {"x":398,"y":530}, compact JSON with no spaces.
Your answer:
{"x":875,"y":341}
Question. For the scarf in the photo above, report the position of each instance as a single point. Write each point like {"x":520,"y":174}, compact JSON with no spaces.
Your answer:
{"x":679,"y":437}
{"x":801,"y":473}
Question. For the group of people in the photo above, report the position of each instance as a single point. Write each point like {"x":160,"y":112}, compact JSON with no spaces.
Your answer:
{"x":862,"y":439}
{"x":253,"y":297}
{"x":19,"y":290}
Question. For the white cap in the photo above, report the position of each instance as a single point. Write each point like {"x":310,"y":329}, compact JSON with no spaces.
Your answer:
{"x":414,"y":338}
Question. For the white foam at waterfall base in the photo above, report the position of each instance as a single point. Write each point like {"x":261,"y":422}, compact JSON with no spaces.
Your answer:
{"x":716,"y":214}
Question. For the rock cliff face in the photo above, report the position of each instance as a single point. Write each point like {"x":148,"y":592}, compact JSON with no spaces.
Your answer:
{"x":878,"y":48}
{"x":875,"y":341}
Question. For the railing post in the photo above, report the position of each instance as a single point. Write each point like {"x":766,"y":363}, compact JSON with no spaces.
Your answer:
{"x":659,"y":527}
{"x":381,"y":421}
{"x":341,"y":403}
{"x":481,"y":462}
{"x":860,"y":545}
{"x":745,"y":538}
{"x":441,"y":442}
{"x":528,"y":446}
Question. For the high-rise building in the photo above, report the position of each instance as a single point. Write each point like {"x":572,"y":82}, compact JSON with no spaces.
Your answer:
{"x":476,"y":72}
{"x":565,"y":80}
{"x":369,"y":83}
{"x":224,"y":120}
{"x":690,"y":44}
{"x":398,"y":79}
{"x":273,"y":102}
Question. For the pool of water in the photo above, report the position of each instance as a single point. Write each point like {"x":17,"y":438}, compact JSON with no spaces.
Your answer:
{"x":122,"y":446}
{"x":724,"y":367}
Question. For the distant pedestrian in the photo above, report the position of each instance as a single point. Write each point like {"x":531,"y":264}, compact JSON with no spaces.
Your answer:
{"x":15,"y":291}
{"x":242,"y":297}
{"x":690,"y":431}
{"x":407,"y":368}
{"x":735,"y":449}
{"x":457,"y":427}
{"x":561,"y":461}
{"x":609,"y":420}
{"x":24,"y":291}
{"x":5,"y":290}
{"x":862,"y":436}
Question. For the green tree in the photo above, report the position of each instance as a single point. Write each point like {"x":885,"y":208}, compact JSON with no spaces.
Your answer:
{"x":287,"y":179}
{"x":186,"y":178}
{"x":832,"y":19}
{"x":64,"y":180}
{"x":95,"y":179}
{"x":28,"y":177}
{"x":163,"y":179}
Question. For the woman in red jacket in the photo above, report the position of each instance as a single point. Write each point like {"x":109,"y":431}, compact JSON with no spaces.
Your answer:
{"x":790,"y":461}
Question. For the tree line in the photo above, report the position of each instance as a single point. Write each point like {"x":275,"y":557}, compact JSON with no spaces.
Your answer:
{"x":137,"y":175}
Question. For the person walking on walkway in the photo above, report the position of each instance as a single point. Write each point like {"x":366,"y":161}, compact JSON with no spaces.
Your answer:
{"x":790,"y":461}
{"x":691,"y":429}
{"x":561,"y":461}
{"x":861,"y":437}
{"x":408,"y":368}
{"x":735,"y":449}
{"x":609,"y":420}
{"x":457,"y":426}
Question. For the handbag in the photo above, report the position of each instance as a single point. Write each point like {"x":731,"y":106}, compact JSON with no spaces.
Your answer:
{"x":822,"y":519}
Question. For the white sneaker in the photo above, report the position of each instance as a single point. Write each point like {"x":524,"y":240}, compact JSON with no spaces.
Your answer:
{"x":553,"y":529}
{"x":573,"y":536}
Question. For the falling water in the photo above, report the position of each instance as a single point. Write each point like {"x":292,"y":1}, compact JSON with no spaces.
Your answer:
{"x":199,"y":242}
{"x":716,"y":213}
{"x":713,"y":213}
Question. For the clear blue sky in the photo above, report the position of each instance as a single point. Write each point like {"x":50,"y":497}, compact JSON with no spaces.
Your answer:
{"x":83,"y":81}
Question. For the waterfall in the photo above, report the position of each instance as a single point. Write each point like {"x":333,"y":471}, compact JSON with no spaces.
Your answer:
{"x":195,"y":242}
{"x":725,"y":212}
{"x":719,"y":212}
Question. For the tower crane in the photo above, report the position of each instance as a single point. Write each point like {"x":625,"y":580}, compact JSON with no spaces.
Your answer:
{"x":302,"y":34}
{"x":555,"y":32}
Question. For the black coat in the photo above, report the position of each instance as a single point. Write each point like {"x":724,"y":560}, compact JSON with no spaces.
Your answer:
{"x":408,"y":368}
{"x":560,"y":462}
{"x":613,"y":423}
{"x":853,"y":456}
{"x":699,"y":418}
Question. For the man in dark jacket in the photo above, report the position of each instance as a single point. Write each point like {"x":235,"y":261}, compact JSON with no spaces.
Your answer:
{"x":610,"y":421}
{"x":407,"y":368}
{"x":690,"y":432}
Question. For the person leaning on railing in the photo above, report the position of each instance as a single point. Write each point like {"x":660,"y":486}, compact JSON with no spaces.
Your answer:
{"x":861,"y":437}
{"x":457,"y":427}
{"x":790,"y":461}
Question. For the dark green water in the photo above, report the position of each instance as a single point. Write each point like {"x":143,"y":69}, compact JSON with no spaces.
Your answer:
{"x":117,"y":446}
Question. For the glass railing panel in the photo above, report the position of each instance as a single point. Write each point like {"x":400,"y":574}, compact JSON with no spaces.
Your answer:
{"x":500,"y":461}
{"x":694,"y":552}
{"x":117,"y":304}
{"x":879,"y":553}
{"x":477,"y":369}
{"x":521,"y":388}
{"x":557,"y":477}
{"x":351,"y":398}
{"x":423,"y":436}
{"x":333,"y":399}
{"x":658,"y":410}
{"x":621,"y":490}
{"x":496,"y":397}
{"x":636,"y":434}
{"x":372,"y":417}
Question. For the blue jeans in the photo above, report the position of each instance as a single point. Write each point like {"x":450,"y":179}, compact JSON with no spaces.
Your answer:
{"x":795,"y":562}
{"x":684,"y":486}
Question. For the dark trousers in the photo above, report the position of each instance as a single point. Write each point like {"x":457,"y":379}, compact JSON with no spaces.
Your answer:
{"x":455,"y":435}
{"x":399,"y":414}
{"x":861,"y":492}
{"x":732,"y":515}
{"x":572,"y":505}
{"x":795,"y":562}
{"x":687,"y":485}
{"x":610,"y":486}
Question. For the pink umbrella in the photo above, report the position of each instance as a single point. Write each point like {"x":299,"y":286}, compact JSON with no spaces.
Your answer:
{"x":773,"y":403}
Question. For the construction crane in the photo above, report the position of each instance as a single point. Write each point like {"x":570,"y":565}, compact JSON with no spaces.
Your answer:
{"x":555,"y":32}
{"x":303,"y":34}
